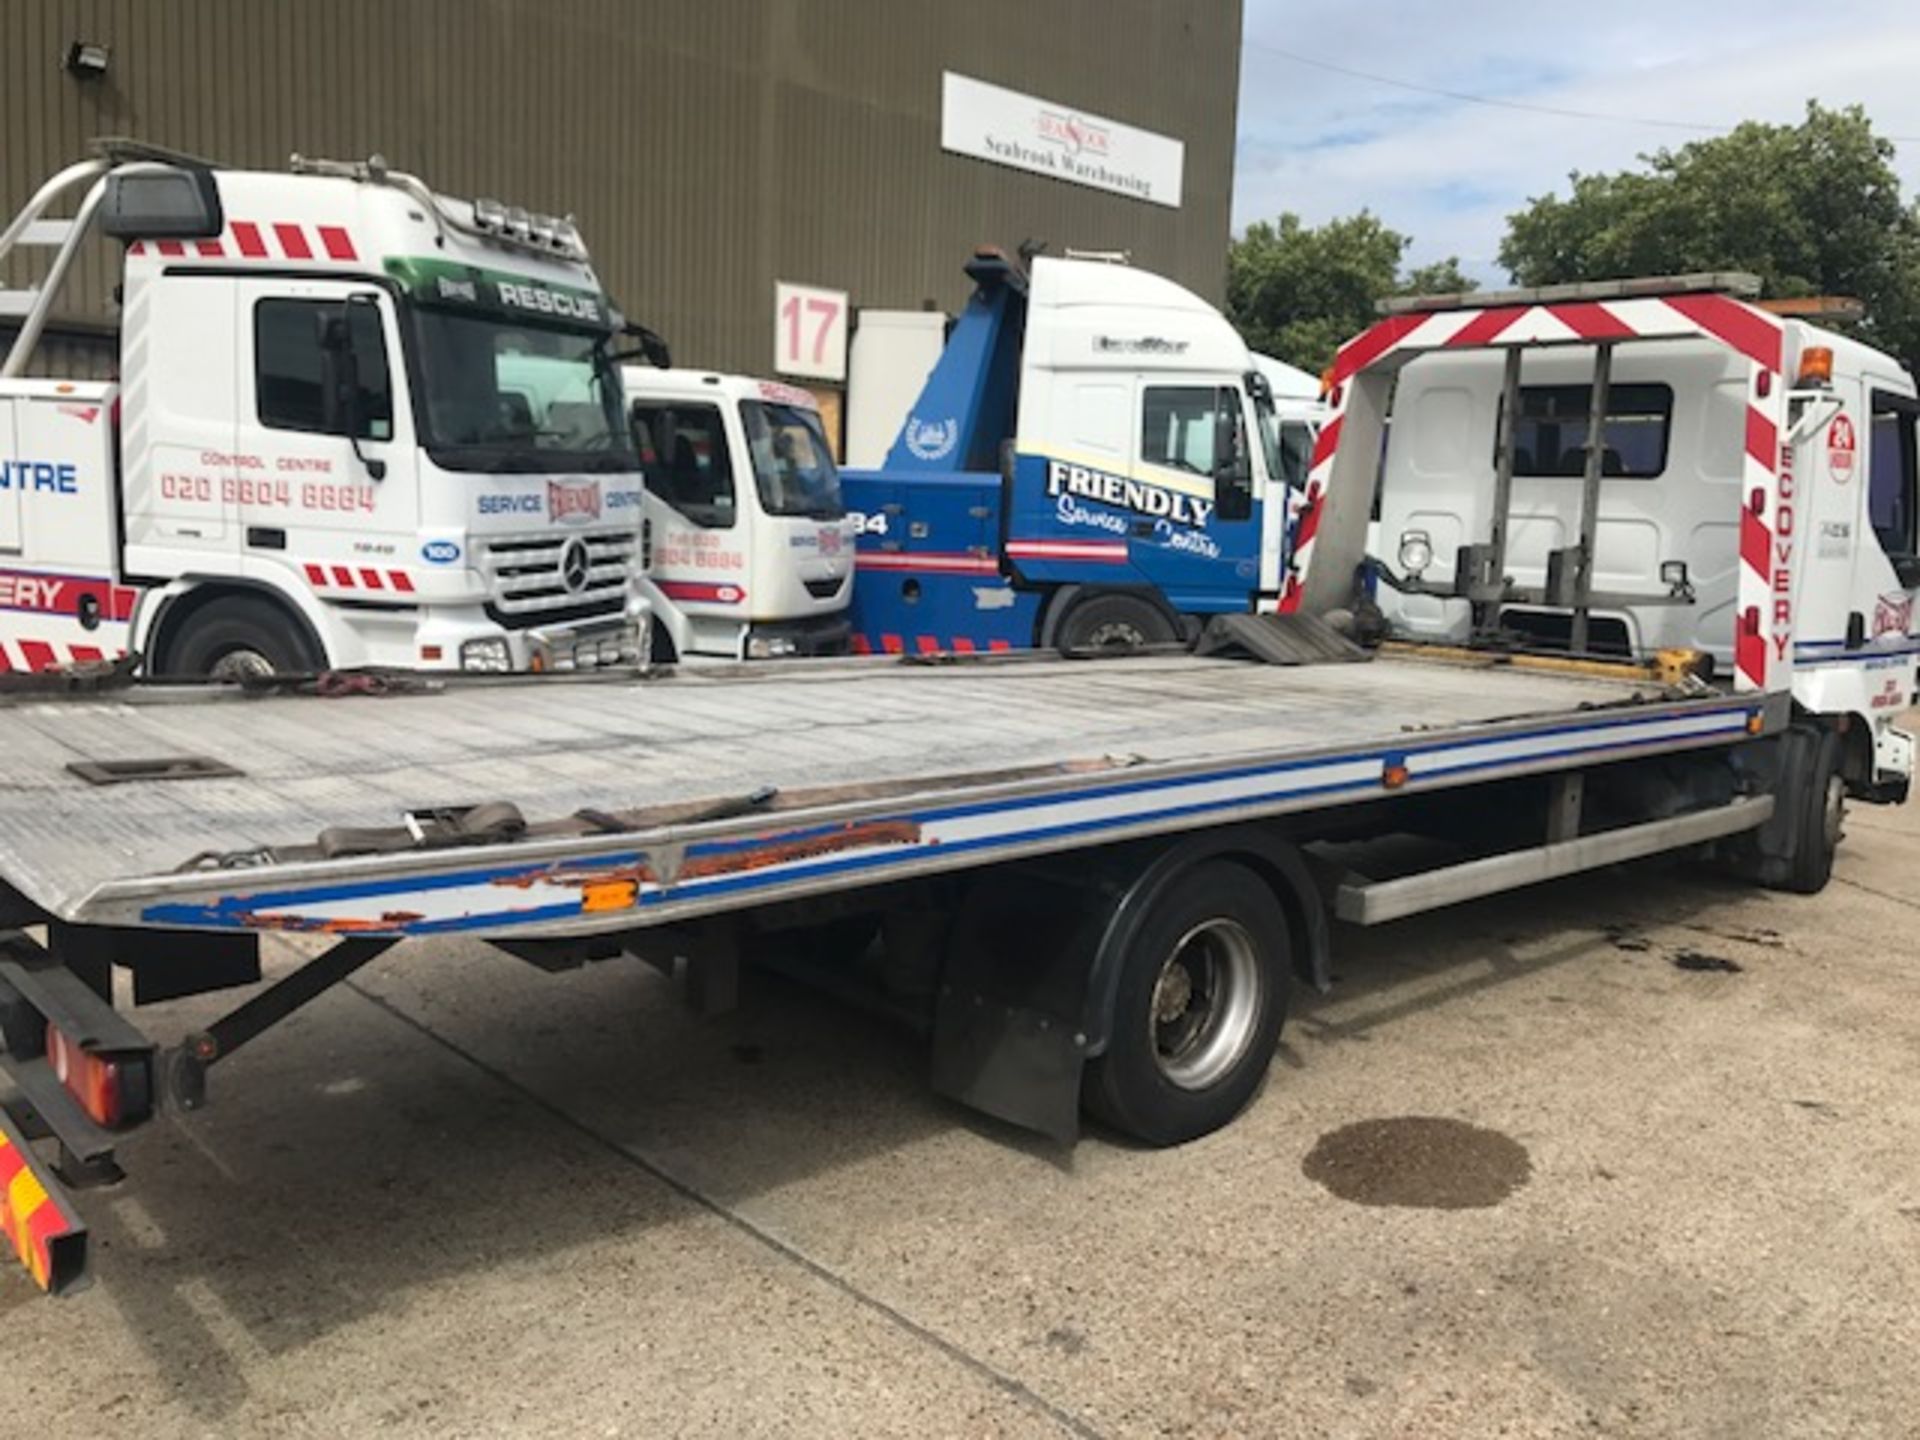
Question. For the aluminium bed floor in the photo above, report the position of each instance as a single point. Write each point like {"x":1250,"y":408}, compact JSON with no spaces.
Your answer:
{"x":554,"y":745}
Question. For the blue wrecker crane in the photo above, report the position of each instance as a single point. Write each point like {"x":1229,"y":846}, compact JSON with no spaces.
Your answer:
{"x":1078,"y":471}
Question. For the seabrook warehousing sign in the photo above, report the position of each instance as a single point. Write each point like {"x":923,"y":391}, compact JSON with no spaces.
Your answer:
{"x":1027,"y":133}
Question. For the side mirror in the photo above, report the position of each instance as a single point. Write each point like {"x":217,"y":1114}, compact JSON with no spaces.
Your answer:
{"x":651,"y":348}
{"x":340,"y":379}
{"x":1232,"y":472}
{"x":339,"y":375}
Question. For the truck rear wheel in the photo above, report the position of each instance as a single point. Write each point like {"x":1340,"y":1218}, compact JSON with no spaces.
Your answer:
{"x":1201,"y":997}
{"x":238,"y":638}
{"x":1114,"y":622}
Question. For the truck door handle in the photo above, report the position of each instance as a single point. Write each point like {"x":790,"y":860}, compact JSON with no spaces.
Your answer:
{"x":1143,"y":527}
{"x":261,"y":537}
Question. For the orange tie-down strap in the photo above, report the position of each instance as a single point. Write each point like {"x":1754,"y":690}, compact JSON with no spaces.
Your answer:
{"x":37,"y":1219}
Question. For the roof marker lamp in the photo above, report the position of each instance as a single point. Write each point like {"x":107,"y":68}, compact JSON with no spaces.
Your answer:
{"x":1416,"y":553}
{"x":1816,"y":368}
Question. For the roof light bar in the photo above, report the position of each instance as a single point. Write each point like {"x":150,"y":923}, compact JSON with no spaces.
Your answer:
{"x":549,"y":234}
{"x":1715,"y":282}
{"x":1835,"y":309}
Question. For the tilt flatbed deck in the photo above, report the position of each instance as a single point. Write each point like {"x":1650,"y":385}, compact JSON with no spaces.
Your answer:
{"x":677,"y":796}
{"x":1093,"y":882}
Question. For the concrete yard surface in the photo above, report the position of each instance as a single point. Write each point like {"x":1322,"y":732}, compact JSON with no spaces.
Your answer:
{"x":1653,"y":1141}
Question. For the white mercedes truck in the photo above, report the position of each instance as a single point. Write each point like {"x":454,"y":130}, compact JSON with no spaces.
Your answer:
{"x":317,"y":453}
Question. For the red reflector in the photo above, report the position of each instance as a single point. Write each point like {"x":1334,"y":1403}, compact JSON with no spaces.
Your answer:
{"x":96,"y":1083}
{"x":430,"y":652}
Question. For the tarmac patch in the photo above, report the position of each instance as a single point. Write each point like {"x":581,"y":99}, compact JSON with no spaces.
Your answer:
{"x":1425,"y":1162}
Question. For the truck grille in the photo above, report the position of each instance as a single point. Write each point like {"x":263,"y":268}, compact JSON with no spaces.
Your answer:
{"x":527,"y":575}
{"x":825,"y":589}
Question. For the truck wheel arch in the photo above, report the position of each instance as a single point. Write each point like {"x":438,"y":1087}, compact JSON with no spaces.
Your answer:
{"x":1014,"y":1040}
{"x":1258,"y":848}
{"x":191,"y":595}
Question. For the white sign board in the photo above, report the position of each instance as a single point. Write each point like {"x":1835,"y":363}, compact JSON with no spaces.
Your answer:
{"x":809,"y":331}
{"x":1026,"y":133}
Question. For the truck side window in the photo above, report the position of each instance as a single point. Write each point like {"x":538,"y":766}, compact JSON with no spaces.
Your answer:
{"x":1890,"y":473}
{"x":1550,"y":436}
{"x":289,"y":367}
{"x":683,"y":454}
{"x":1178,"y":423}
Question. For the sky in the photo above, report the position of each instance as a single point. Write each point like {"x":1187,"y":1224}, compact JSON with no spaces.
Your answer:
{"x":1448,"y":171}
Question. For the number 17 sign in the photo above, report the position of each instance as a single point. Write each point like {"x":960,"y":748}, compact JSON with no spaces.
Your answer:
{"x":809,"y":331}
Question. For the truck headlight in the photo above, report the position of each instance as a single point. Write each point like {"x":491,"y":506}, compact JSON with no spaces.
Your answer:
{"x":490,"y":655}
{"x":1416,"y":552}
{"x":771,"y":647}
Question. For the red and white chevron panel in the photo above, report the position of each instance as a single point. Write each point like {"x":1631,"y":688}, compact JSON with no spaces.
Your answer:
{"x":1763,"y":642}
{"x":922,"y":645}
{"x":279,"y":240}
{"x":17,"y":655}
{"x":357,"y":578}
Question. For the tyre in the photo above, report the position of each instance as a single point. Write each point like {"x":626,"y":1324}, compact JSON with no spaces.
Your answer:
{"x":1197,"y":1012}
{"x":1113,"y":622}
{"x":239,"y":638}
{"x":1814,"y":789}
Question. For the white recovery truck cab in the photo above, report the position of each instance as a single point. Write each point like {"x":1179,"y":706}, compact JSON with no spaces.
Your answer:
{"x":750,"y":547}
{"x":1752,"y":497}
{"x":317,"y":454}
{"x":1090,"y":882}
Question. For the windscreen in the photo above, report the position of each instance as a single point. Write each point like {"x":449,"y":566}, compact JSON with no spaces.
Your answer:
{"x":501,"y":395}
{"x":792,"y":466}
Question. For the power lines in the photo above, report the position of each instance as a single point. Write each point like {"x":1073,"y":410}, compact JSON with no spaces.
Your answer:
{"x":1500,"y":103}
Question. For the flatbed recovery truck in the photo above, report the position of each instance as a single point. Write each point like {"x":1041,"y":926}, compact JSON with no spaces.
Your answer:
{"x":1094,"y":880}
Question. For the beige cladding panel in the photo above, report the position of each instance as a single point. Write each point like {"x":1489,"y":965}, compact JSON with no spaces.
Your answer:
{"x":707,"y":147}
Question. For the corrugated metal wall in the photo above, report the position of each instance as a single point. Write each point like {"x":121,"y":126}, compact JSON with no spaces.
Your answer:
{"x":707,"y":147}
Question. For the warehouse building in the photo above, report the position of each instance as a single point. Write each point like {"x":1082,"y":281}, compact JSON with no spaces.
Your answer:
{"x":739,"y":167}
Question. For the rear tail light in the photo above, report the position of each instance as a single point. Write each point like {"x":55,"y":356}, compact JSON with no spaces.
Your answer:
{"x":113,"y":1090}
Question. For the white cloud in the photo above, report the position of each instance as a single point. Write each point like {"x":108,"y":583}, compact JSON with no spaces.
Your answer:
{"x":1449,"y":172}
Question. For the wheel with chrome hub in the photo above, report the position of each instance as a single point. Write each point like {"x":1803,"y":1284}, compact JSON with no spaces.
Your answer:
{"x":1201,"y":996}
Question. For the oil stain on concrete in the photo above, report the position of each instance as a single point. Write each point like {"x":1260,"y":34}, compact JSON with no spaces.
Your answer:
{"x":1420,"y":1161}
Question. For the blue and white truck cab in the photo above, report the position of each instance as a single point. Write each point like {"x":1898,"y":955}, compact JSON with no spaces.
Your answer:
{"x":1093,"y":462}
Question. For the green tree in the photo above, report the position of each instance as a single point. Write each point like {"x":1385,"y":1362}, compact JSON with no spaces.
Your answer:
{"x":1812,"y":209}
{"x":1297,"y":291}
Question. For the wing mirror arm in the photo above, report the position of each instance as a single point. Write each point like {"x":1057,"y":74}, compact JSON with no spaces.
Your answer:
{"x":651,"y":348}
